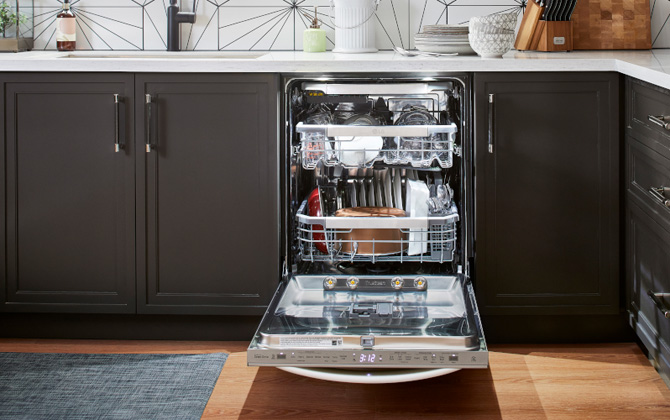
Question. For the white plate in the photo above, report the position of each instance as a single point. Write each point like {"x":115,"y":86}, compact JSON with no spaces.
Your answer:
{"x":362,"y":194}
{"x":369,"y":376}
{"x":387,"y":187}
{"x":459,"y":30}
{"x":445,"y":49}
{"x":462,"y":41}
{"x":446,"y":27}
{"x":444,"y":41}
{"x":441,"y":36}
{"x":449,"y":40}
{"x":379,"y":195}
{"x":455,"y":43}
{"x":371,"y":193}
{"x":397,"y":187}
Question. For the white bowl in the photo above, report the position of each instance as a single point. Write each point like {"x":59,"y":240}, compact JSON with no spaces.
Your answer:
{"x":476,"y":26}
{"x":491,"y":45}
{"x":499,"y":20}
{"x":357,"y":151}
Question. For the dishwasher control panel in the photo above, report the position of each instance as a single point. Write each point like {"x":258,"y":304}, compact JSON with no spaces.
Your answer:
{"x":368,"y":358}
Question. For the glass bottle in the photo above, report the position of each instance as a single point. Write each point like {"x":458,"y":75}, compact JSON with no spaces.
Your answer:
{"x":314,"y":38}
{"x":66,"y":28}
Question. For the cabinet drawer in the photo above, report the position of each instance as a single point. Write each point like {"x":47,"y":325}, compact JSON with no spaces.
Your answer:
{"x":645,"y":101}
{"x":648,"y":270}
{"x":647,"y":170}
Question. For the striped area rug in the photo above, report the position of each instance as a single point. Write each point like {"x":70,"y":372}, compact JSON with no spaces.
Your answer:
{"x":107,"y":386}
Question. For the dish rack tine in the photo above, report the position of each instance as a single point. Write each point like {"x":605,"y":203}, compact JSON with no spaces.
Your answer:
{"x":331,"y":249}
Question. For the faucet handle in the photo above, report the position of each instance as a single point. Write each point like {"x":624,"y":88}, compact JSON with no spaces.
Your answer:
{"x":185,"y":17}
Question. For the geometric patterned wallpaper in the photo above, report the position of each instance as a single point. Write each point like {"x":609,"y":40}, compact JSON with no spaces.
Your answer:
{"x":243,"y":24}
{"x":660,"y":29}
{"x":239,"y":25}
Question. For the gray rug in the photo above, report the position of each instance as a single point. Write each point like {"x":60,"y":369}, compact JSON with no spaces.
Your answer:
{"x":106,"y":386}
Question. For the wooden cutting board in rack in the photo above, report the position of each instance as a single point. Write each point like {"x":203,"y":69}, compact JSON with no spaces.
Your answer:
{"x":611,"y":25}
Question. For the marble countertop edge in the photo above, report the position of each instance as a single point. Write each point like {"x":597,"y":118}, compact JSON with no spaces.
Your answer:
{"x":647,"y":65}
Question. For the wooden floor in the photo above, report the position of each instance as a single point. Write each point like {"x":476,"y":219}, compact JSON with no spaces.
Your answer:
{"x":604,"y":381}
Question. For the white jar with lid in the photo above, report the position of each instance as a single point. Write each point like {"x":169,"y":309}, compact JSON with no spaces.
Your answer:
{"x":354,"y":25}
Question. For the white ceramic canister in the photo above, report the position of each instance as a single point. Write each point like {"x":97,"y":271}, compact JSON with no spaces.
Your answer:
{"x":354,"y":25}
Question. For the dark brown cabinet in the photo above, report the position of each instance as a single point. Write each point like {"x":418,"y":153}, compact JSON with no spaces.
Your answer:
{"x":647,"y":153}
{"x":187,"y":225}
{"x":192,"y":226}
{"x":208,"y":186}
{"x":69,"y":210}
{"x":547,"y":193}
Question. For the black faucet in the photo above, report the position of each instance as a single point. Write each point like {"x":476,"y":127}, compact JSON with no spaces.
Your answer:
{"x":174,"y":18}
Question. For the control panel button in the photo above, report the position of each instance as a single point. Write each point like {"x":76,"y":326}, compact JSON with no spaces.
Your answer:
{"x":329,"y":283}
{"x":352,"y":282}
{"x":397,"y":283}
{"x":420,"y":283}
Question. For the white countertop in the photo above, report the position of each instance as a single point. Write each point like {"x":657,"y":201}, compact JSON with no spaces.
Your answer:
{"x":650,"y":65}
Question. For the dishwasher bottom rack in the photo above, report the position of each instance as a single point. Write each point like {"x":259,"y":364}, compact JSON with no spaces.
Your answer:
{"x":377,"y":239}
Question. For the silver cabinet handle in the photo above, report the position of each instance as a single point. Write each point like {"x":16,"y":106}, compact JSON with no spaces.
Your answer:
{"x":491,"y":122}
{"x":149,"y":120}
{"x":660,"y":120}
{"x":660,"y":195}
{"x":117,"y":123}
{"x":656,"y":298}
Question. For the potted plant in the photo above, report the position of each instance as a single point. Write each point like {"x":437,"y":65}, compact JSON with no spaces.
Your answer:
{"x":15,"y":36}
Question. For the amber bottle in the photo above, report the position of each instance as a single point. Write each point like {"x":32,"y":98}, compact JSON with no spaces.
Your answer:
{"x":66,"y":29}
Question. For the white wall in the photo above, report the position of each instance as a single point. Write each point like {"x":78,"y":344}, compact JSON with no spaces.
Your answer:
{"x":263,"y":24}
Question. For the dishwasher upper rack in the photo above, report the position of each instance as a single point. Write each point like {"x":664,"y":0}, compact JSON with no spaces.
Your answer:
{"x":435,"y":236}
{"x":360,"y":146}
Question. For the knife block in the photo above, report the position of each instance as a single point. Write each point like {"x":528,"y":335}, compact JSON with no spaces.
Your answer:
{"x":550,"y":36}
{"x":542,"y":35}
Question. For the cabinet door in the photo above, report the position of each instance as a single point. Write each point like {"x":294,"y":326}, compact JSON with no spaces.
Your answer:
{"x":208,"y":214}
{"x":70,"y":228}
{"x":547,"y":193}
{"x":647,"y":150}
{"x":648,"y":273}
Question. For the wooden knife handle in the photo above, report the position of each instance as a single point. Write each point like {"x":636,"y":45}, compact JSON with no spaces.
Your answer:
{"x":528,"y":24}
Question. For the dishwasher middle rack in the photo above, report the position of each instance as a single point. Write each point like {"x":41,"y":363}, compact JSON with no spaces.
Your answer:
{"x":359,"y":146}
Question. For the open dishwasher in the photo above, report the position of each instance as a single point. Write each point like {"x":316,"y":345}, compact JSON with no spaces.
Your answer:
{"x":378,"y":238}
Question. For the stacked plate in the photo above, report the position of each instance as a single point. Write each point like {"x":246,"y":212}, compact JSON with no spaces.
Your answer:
{"x":444,"y":39}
